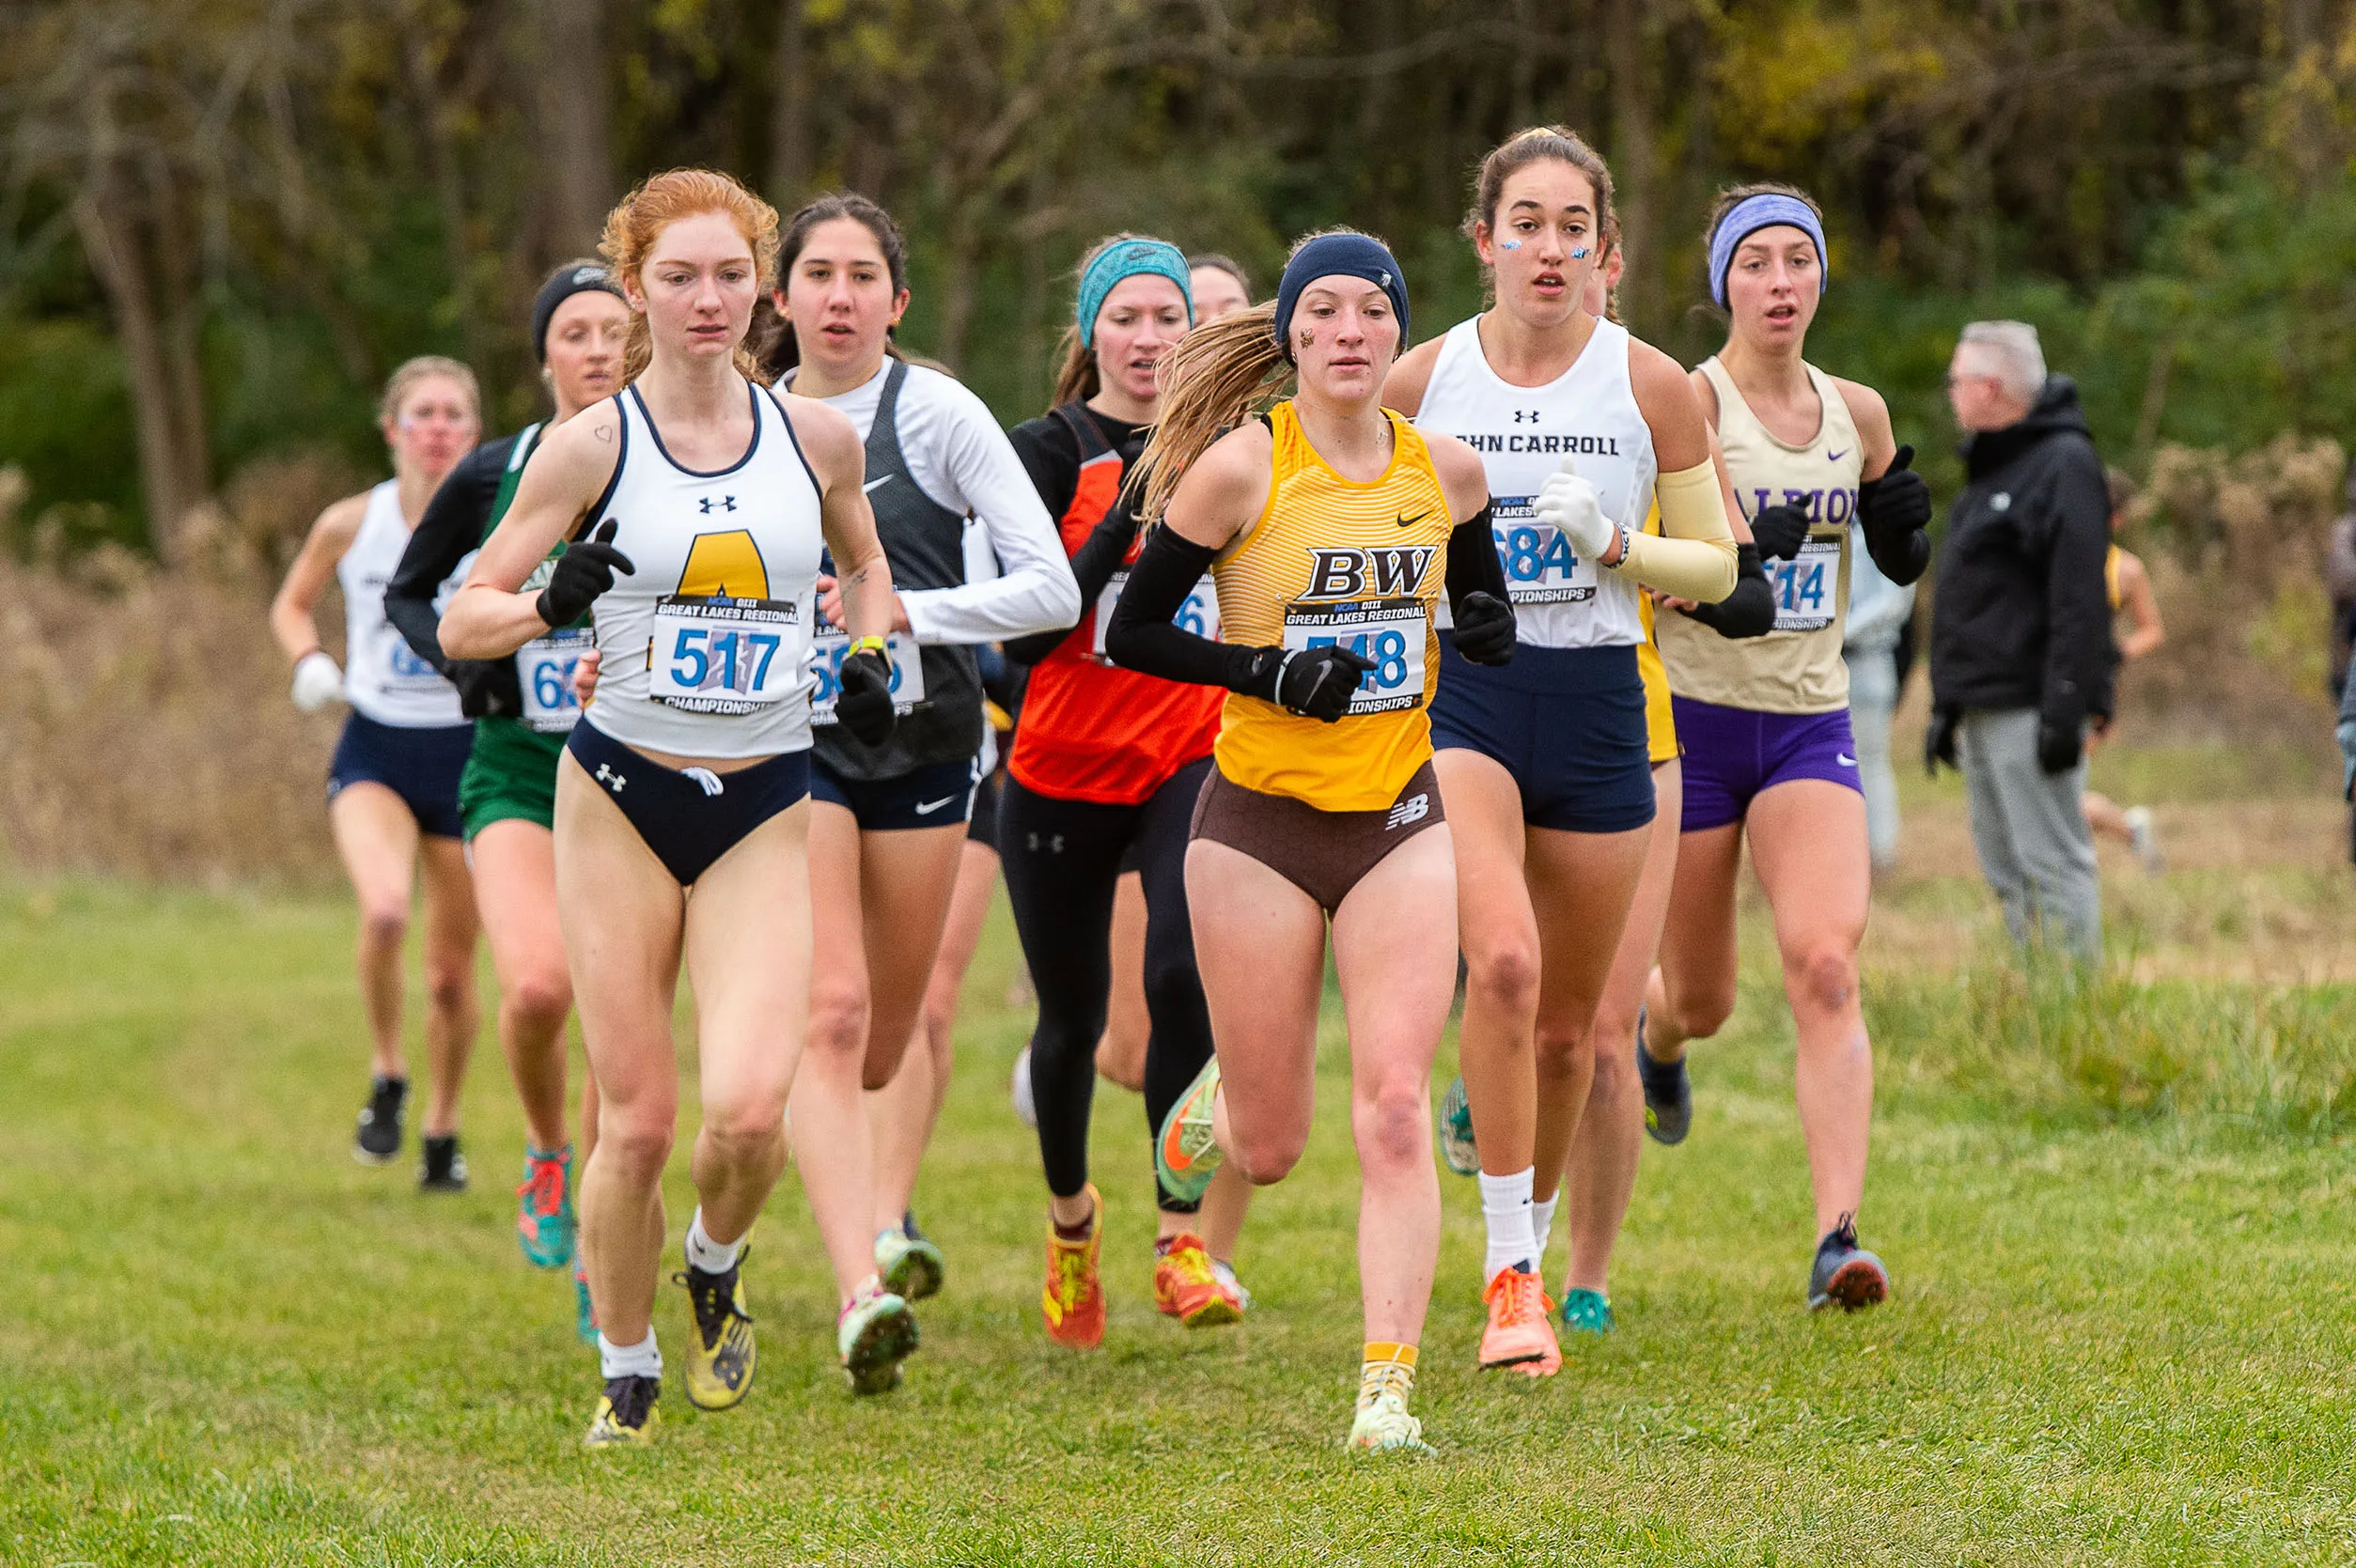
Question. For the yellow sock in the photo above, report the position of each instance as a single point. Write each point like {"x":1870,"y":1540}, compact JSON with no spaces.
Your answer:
{"x":1385,"y":1368}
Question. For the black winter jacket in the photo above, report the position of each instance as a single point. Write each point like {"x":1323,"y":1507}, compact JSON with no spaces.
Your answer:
{"x":2022,"y":617}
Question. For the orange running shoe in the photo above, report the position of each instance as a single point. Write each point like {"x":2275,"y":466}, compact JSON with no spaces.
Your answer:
{"x":1187,"y":1288}
{"x":1519,"y":1334}
{"x":1073,"y":1300}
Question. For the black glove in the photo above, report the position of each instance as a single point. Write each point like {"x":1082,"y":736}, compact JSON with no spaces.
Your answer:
{"x":585,"y":571}
{"x":1750,"y":609}
{"x":487,"y":688}
{"x":2060,"y":743}
{"x":1778,"y":530}
{"x":1939,"y":740}
{"x":865,"y":706}
{"x":1484,"y":628}
{"x":1895,"y":510}
{"x":1319,"y":683}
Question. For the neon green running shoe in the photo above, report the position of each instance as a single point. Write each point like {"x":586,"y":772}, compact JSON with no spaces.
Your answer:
{"x":874,"y":1335}
{"x":625,"y":1414}
{"x":1185,"y":1154}
{"x":545,"y":1224}
{"x":721,"y":1356}
{"x":1382,"y":1425}
{"x":1457,"y":1145}
{"x":907,"y":1261}
{"x":1586,"y":1311}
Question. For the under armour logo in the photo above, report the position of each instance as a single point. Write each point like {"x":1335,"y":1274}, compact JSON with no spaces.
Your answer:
{"x":1525,"y":416}
{"x":707,"y":505}
{"x":1414,"y":809}
{"x":705,"y":777}
{"x":610,"y":779}
{"x":1055,"y":843}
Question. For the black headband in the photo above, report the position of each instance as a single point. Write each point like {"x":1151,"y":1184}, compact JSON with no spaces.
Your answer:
{"x":563,"y":286}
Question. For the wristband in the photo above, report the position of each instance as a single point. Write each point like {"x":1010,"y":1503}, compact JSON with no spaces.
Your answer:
{"x":1625,"y":548}
{"x":869,"y":644}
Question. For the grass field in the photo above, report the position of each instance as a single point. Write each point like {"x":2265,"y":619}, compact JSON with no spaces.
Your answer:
{"x":2117,"y":1218}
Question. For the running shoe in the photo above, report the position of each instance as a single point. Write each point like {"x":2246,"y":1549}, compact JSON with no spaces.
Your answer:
{"x":543,"y":1209}
{"x":443,"y":1167}
{"x":1188,"y":1288}
{"x":625,"y":1413}
{"x":379,"y":1137}
{"x":1519,"y":1334}
{"x":1072,"y":1300}
{"x":1018,"y":1088}
{"x":2146,"y":838}
{"x":1185,"y":1154}
{"x":873,"y":1336}
{"x":1384,"y":1426}
{"x":1668,"y":1094}
{"x":909,"y":1263}
{"x":1455,"y":1131}
{"x":584,"y":1309}
{"x":1844,"y":1274}
{"x":1586,"y":1311}
{"x":721,"y":1358}
{"x":1235,"y":1286}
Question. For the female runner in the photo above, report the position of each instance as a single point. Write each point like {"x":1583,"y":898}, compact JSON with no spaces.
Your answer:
{"x":1547,"y":766}
{"x":888,"y":823}
{"x":713,"y":499}
{"x":1329,"y":524}
{"x":393,"y":788}
{"x":1765,"y":723}
{"x":1105,"y":768}
{"x":522,"y":707}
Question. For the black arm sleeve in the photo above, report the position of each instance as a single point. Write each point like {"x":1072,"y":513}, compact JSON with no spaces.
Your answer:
{"x":1143,"y":638}
{"x":452,"y":526}
{"x":1473,"y":564}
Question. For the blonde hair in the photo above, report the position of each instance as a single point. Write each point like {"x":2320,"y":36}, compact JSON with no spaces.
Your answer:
{"x":407,"y":377}
{"x":660,"y":200}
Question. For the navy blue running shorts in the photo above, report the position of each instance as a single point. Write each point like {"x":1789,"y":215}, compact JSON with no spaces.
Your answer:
{"x":1567,"y":724}
{"x":689,"y":817}
{"x":937,"y":795}
{"x":421,"y":766}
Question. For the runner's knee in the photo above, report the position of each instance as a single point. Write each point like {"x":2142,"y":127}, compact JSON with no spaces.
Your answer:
{"x":538,"y":1001}
{"x":839,"y":1015}
{"x":636,"y":1140}
{"x":1391,"y":1121}
{"x":1824,"y":978}
{"x":1505,"y":975}
{"x":449,"y":983}
{"x":383,"y":921}
{"x":1563,"y":1053}
{"x":745,"y":1120}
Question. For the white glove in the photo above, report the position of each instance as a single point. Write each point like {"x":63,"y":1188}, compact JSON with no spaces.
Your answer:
{"x":1570,"y":505}
{"x":318,"y":682}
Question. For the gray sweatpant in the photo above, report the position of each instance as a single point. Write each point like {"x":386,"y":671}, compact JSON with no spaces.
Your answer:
{"x":2030,"y":833}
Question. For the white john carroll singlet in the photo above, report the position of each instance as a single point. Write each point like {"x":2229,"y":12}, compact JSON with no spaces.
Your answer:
{"x":706,"y":647}
{"x":1589,"y":414}
{"x":383,"y":679}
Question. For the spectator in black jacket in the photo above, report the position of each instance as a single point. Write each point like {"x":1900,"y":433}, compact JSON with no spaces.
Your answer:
{"x":2020,"y":651}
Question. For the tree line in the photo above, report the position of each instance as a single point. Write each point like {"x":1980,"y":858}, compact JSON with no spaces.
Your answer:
{"x":223,"y":221}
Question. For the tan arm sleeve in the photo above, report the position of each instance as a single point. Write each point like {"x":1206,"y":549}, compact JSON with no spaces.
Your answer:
{"x":1693,"y":557}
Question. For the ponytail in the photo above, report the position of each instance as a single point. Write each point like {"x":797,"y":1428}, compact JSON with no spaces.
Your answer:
{"x":1214,"y":378}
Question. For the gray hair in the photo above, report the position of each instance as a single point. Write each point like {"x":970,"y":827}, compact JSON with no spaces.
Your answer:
{"x":2011,"y":353}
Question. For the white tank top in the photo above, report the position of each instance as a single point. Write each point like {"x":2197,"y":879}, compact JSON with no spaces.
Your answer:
{"x":383,"y":679}
{"x":1796,"y":668}
{"x":706,"y":648}
{"x":1587,"y":413}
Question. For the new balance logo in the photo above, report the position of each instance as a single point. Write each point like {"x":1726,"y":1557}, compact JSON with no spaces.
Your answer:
{"x":705,"y":777}
{"x":1414,"y":809}
{"x":708,"y":505}
{"x":610,"y":779}
{"x":1364,"y":573}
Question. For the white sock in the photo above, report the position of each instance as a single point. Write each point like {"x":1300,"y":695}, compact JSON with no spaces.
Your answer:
{"x":1542,"y":1225}
{"x":706,"y":1254}
{"x":643,"y":1360}
{"x":1506,"y":1205}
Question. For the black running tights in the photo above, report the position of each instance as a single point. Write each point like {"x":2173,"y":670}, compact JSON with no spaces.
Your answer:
{"x":1062,"y":859}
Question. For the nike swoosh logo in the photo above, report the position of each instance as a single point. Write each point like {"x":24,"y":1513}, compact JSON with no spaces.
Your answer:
{"x":1833,"y":456}
{"x":1409,"y":522}
{"x":1844,"y":761}
{"x":870,"y":487}
{"x":925,"y":809}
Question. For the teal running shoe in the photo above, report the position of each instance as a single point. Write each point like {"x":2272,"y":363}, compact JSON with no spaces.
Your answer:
{"x":1455,"y":1131}
{"x":1587,"y":1311}
{"x":907,"y":1261}
{"x":1186,"y":1154}
{"x":544,"y":1223}
{"x":874,"y":1335}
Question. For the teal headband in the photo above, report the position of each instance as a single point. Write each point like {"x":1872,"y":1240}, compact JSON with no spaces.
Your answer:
{"x":1129,"y":258}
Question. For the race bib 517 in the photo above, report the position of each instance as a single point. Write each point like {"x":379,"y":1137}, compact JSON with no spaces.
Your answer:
{"x":723,"y":654}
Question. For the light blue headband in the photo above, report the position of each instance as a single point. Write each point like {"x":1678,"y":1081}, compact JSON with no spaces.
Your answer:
{"x":1768,"y":210}
{"x":1129,"y":258}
